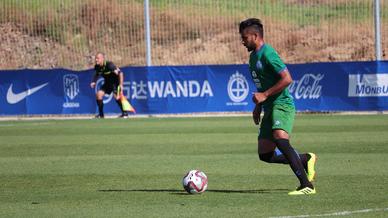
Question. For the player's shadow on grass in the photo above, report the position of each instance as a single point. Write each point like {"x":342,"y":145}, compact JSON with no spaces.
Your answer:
{"x":181,"y":192}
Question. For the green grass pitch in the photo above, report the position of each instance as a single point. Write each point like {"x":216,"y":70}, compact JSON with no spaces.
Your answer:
{"x":134,"y":167}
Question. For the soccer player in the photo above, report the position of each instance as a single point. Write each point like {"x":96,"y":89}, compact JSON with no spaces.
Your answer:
{"x":272,"y":78}
{"x":113,"y":82}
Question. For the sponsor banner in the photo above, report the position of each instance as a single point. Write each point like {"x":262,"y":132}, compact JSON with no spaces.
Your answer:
{"x":188,"y":89}
{"x":151,"y":90}
{"x":368,"y":85}
{"x":344,"y":86}
{"x":59,"y":91}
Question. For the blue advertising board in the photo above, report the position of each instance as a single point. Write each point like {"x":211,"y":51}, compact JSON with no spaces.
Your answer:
{"x":343,"y":86}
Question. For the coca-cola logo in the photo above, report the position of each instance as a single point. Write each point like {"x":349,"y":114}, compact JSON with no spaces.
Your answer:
{"x":307,"y":87}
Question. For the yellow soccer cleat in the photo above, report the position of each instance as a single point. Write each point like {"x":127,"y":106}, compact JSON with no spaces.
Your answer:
{"x":311,"y":167}
{"x":303,"y":191}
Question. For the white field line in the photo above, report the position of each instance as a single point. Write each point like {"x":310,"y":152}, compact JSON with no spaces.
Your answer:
{"x":341,"y":213}
{"x":24,"y":124}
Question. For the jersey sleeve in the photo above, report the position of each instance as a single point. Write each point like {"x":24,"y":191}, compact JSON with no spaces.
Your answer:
{"x":275,"y":62}
{"x":96,"y":70}
{"x":110,"y":66}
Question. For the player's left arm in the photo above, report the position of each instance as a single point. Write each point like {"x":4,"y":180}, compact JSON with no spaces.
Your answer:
{"x":120,"y":74}
{"x":284,"y":81}
{"x":111,"y":67}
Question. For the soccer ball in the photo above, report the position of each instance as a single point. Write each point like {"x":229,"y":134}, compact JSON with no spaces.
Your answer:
{"x":195,"y":182}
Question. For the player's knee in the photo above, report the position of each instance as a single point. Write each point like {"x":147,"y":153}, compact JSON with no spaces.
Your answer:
{"x":266,"y":157}
{"x":280,"y":134}
{"x":100,"y":93}
{"x":99,"y":96}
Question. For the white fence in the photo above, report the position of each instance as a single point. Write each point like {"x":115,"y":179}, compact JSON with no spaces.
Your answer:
{"x":66,"y":33}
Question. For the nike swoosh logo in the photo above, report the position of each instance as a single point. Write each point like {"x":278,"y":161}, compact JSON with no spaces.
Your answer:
{"x":13,"y":98}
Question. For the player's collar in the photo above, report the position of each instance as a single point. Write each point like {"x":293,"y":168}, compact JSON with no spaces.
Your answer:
{"x":260,"y":49}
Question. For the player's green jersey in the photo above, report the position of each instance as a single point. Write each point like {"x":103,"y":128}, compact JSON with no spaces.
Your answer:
{"x":265,"y":65}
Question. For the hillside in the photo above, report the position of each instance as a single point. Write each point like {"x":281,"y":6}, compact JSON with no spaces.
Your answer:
{"x":68,"y":35}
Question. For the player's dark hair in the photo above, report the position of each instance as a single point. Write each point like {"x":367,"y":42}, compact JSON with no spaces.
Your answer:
{"x":253,"y":23}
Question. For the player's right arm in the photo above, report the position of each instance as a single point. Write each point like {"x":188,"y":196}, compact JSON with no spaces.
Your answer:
{"x":94,"y":80}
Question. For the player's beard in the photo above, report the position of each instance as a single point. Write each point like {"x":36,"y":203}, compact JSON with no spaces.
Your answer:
{"x":250,"y":47}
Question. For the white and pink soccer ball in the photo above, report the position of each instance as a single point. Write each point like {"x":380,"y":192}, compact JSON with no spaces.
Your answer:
{"x":195,"y":182}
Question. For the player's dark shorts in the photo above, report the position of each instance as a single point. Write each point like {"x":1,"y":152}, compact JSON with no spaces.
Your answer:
{"x":278,"y":117}
{"x":108,"y":88}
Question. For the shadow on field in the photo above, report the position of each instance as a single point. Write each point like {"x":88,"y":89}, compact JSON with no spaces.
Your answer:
{"x":182,"y":192}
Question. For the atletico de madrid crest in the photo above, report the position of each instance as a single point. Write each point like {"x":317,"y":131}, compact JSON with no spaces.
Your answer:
{"x":71,"y":85}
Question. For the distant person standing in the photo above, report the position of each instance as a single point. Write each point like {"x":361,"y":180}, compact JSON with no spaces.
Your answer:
{"x":113,"y":82}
